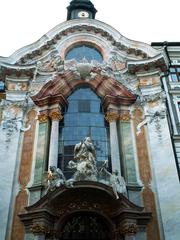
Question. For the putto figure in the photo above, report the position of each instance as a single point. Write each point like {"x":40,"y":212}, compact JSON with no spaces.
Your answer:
{"x":85,"y":165}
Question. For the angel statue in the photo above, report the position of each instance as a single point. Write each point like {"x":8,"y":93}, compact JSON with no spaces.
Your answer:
{"x":116,"y":181}
{"x":55,"y":178}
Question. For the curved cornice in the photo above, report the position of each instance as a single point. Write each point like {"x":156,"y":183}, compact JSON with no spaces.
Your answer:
{"x":51,"y":39}
{"x":109,"y":90}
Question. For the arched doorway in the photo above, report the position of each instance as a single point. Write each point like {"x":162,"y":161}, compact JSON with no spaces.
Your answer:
{"x":86,"y":225}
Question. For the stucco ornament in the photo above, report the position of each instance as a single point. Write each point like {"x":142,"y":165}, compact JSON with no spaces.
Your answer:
{"x":153,"y":114}
{"x":85,"y":161}
{"x":12,"y":120}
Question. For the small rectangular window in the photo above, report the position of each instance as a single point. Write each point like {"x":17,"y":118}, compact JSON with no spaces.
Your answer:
{"x":84,"y":106}
{"x":2,"y":86}
{"x":174,"y":77}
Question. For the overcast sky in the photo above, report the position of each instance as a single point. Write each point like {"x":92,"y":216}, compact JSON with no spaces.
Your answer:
{"x":23,"y":22}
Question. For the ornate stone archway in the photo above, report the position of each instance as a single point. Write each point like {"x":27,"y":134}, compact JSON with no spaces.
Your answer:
{"x":47,"y":217}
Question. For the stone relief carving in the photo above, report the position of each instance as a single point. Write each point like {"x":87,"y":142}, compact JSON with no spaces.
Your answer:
{"x":153,"y":114}
{"x":13,"y":117}
{"x":117,"y":62}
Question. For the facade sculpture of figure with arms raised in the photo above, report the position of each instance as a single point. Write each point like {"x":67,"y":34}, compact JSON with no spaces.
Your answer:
{"x":85,"y":156}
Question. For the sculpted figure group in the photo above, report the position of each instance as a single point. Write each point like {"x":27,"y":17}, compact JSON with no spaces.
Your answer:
{"x":84,"y":164}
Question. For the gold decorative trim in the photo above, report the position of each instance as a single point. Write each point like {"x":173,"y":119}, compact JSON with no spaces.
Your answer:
{"x":43,"y":118}
{"x":56,"y":116}
{"x":111,"y":116}
{"x":125,"y":117}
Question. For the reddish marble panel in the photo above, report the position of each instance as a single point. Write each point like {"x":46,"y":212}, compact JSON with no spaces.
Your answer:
{"x":146,"y":175}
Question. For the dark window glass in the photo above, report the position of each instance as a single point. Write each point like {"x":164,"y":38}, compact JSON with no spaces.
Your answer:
{"x":2,"y":86}
{"x":82,"y":119}
{"x":79,"y":53}
{"x":175,"y":73}
{"x":83,"y":106}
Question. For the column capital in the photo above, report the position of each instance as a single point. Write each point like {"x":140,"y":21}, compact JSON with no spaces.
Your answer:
{"x":128,"y":229}
{"x":125,"y":116}
{"x":55,"y":115}
{"x":111,"y":116}
{"x":41,"y":229}
{"x":43,"y":117}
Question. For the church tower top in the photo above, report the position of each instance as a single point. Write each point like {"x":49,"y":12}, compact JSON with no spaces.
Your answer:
{"x":79,"y":9}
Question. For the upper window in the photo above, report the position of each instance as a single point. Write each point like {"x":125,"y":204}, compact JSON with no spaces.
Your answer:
{"x":84,"y":118}
{"x":84,"y":52}
{"x":175,"y":73}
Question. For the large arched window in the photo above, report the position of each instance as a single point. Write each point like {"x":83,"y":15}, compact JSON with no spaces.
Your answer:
{"x":84,"y":118}
{"x":81,"y":52}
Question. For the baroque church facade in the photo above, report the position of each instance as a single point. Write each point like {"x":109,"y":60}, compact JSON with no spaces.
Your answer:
{"x":85,"y":142}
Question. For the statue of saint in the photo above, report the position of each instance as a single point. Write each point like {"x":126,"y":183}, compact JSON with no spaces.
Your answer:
{"x":85,"y":151}
{"x":85,"y":165}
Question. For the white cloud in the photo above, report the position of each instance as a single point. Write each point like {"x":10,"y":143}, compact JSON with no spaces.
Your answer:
{"x":23,"y":22}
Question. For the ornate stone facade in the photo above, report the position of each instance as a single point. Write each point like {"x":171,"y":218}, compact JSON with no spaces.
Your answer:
{"x":39,"y":80}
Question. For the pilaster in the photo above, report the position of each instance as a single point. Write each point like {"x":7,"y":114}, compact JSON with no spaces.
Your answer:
{"x":55,"y":117}
{"x":112,"y":118}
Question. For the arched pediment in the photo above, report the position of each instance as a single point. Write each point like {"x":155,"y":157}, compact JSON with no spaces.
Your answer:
{"x":108,"y":89}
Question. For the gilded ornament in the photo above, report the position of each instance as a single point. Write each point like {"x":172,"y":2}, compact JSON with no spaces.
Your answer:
{"x":56,"y":116}
{"x":43,"y":118}
{"x":129,"y":229}
{"x":111,"y":116}
{"x":125,"y":117}
{"x":42,"y":229}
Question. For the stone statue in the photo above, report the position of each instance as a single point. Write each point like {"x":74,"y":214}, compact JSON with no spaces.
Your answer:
{"x":117,"y":182}
{"x":55,"y":178}
{"x":85,"y":151}
{"x":85,"y":165}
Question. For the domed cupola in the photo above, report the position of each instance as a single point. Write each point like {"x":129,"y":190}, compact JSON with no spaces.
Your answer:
{"x":79,"y":9}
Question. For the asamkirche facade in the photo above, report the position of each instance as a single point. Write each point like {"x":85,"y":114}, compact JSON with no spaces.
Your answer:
{"x":85,"y":143}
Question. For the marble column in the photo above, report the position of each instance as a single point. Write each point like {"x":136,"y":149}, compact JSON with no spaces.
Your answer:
{"x":53,"y":147}
{"x":112,"y":117}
